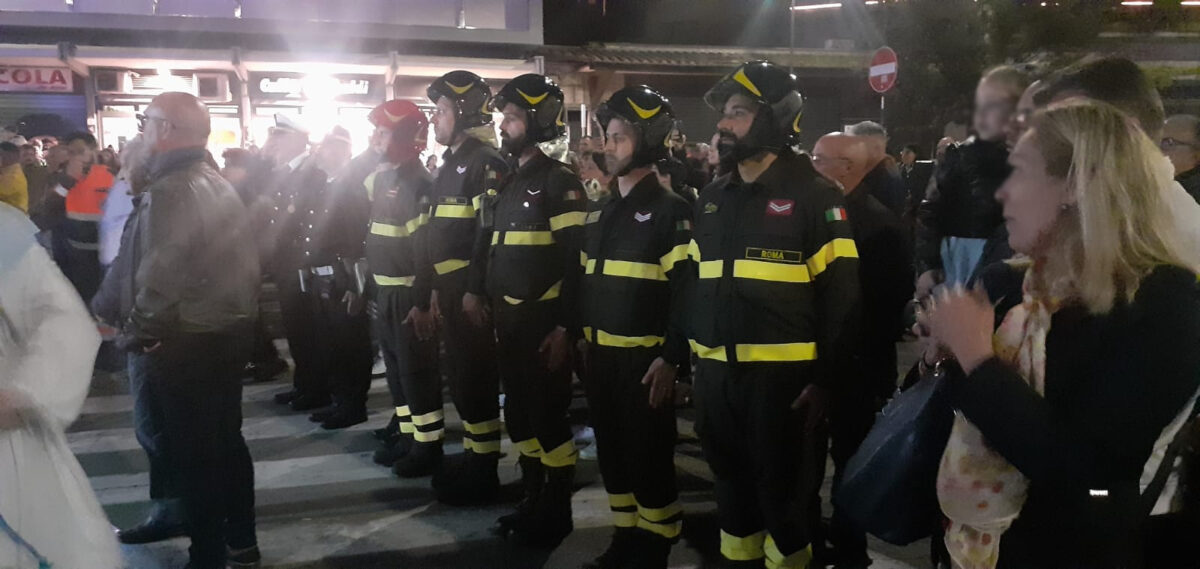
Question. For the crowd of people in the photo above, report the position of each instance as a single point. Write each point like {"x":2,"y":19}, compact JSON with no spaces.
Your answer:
{"x":1049,"y":263}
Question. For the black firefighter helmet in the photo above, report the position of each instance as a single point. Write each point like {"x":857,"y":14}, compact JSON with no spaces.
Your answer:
{"x":470,"y":94}
{"x":650,"y":113}
{"x":542,"y":101}
{"x":771,"y":86}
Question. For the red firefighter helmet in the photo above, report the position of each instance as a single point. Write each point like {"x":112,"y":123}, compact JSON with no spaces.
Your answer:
{"x":409,"y":128}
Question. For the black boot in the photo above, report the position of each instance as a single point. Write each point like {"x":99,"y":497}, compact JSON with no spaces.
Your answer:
{"x":470,"y":480}
{"x":422,"y":460}
{"x":620,"y":551}
{"x":392,"y":429}
{"x":533,"y":479}
{"x":393,"y":449}
{"x":653,"y":551}
{"x":550,"y":522}
{"x":164,"y":522}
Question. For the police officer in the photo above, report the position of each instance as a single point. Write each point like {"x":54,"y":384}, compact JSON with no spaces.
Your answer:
{"x":771,"y":317}
{"x":471,"y":167}
{"x":635,"y":270}
{"x":533,"y":277}
{"x":400,"y":192}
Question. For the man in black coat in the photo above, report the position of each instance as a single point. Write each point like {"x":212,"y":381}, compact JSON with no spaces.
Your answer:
{"x":885,"y":269}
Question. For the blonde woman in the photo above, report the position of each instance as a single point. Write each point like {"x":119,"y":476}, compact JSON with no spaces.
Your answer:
{"x":1066,"y":402}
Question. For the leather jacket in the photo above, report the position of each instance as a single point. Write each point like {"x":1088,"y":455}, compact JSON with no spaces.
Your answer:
{"x":962,"y":200}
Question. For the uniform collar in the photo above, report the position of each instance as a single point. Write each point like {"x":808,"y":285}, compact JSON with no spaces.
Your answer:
{"x":467,"y":146}
{"x":295,"y":163}
{"x":538,"y":161}
{"x":777,"y":174}
{"x":645,"y":190}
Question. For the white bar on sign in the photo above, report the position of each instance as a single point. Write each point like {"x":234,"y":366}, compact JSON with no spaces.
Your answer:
{"x":883,"y":69}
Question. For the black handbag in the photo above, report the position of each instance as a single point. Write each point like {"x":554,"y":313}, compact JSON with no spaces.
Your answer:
{"x":890,"y":484}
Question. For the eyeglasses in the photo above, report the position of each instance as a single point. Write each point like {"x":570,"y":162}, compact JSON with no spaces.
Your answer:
{"x":1169,"y":143}
{"x":143,"y":120}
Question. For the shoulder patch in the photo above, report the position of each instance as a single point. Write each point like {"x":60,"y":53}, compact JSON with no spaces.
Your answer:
{"x":593,"y":217}
{"x":835,"y":214}
{"x":683,"y":225}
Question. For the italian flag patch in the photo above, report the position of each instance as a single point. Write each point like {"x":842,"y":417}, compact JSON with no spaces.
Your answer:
{"x":573,"y":195}
{"x":835,"y":214}
{"x":683,"y":225}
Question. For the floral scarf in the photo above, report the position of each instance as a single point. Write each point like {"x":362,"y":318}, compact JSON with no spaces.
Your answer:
{"x":979,"y":491}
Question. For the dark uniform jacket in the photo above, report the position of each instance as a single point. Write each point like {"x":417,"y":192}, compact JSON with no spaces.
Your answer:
{"x":294,"y":196}
{"x":399,"y":222}
{"x":777,"y":272}
{"x":536,"y":236}
{"x":962,"y":201}
{"x":464,"y":178}
{"x":635,"y":270}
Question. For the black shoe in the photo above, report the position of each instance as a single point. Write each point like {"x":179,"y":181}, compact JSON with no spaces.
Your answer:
{"x":392,"y":429}
{"x":651,"y":551}
{"x":151,"y":531}
{"x":550,"y":521}
{"x":248,"y":558}
{"x":533,"y":479}
{"x":471,"y":481}
{"x":322,"y":415}
{"x":342,"y":418}
{"x":309,"y":402}
{"x":423,"y":460}
{"x":393,"y":449}
{"x":287,"y":396}
{"x":620,"y":552}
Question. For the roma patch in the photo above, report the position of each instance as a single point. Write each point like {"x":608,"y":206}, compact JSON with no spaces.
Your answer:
{"x":835,"y":214}
{"x":781,"y":207}
{"x":773,"y":255}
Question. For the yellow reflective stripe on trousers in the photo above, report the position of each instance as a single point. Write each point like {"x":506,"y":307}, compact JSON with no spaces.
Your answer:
{"x":402,"y":411}
{"x":394,"y":281}
{"x":482,"y":428}
{"x":562,"y":455}
{"x":711,"y":269}
{"x":428,"y":418}
{"x":669,"y":530}
{"x":626,"y":500}
{"x":665,"y":521}
{"x":777,"y":560}
{"x":551,"y":294}
{"x":792,"y":352}
{"x":529,"y":447}
{"x":602,"y":338}
{"x":632,"y":270}
{"x":454,"y":211}
{"x":674,"y":256}
{"x":747,"y":548}
{"x":837,"y":248}
{"x":569,"y":219}
{"x":450,"y":265}
{"x":429,"y":437}
{"x":524,"y":238}
{"x":766,"y":271}
{"x":624,"y":510}
{"x":481,"y":447}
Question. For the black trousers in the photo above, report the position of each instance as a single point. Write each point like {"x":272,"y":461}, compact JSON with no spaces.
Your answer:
{"x":197,"y":379}
{"x":412,"y":374}
{"x":342,"y":344}
{"x":764,"y":464}
{"x":264,"y":351}
{"x":296,"y":311}
{"x":470,"y":367}
{"x":636,"y":443}
{"x":80,"y":250}
{"x":536,"y":399}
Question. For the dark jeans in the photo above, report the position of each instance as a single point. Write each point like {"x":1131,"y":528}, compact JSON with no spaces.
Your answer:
{"x":197,"y":380}
{"x":148,"y":426}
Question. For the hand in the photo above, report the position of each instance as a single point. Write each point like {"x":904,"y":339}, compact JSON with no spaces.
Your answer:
{"x":661,"y":379}
{"x":813,"y":402}
{"x":422,"y":322}
{"x":962,"y":321}
{"x":926,"y":282}
{"x":11,"y":404}
{"x":555,"y":349}
{"x":354,"y":303}
{"x":434,"y":308}
{"x":476,"y":309}
{"x":372,"y":310}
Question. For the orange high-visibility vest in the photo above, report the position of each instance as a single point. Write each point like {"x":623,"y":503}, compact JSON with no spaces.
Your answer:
{"x":85,"y":200}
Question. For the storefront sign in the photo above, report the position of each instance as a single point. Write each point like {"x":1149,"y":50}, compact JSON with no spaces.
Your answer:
{"x":37,"y":79}
{"x":312,"y":87}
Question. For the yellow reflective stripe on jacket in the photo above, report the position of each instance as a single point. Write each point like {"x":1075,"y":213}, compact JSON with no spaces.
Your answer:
{"x":589,"y":267}
{"x":455,"y":211}
{"x":777,"y":560}
{"x":450,"y":265}
{"x":524,"y":238}
{"x":837,"y":248}
{"x":569,"y":219}
{"x":747,"y":548}
{"x":389,"y":230}
{"x":551,"y":294}
{"x":674,"y":256}
{"x":693,"y":250}
{"x":602,"y":338}
{"x":790,"y":352}
{"x":767,"y":271}
{"x":711,"y":269}
{"x":394,"y":281}
{"x":369,"y":183}
{"x":632,"y":270}
{"x":583,"y":259}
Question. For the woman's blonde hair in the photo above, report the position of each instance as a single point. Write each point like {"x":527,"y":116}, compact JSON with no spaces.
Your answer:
{"x":1122,"y":225}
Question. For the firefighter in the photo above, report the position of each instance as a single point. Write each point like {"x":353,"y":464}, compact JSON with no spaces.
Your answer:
{"x":635,"y":270}
{"x":400,"y":289}
{"x":771,"y":319}
{"x":533,"y":274}
{"x":471,"y":167}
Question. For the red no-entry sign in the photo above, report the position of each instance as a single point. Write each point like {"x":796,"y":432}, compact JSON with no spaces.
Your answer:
{"x":883,"y":71}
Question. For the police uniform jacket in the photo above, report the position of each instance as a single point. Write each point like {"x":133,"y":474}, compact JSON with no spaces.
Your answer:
{"x":777,"y":271}
{"x":399,"y":221}
{"x":536,"y":237}
{"x":635,"y":270}
{"x":464,"y":178}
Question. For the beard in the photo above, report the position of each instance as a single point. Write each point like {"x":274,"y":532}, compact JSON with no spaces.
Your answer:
{"x":731,"y":149}
{"x":513,"y":146}
{"x":615,"y":165}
